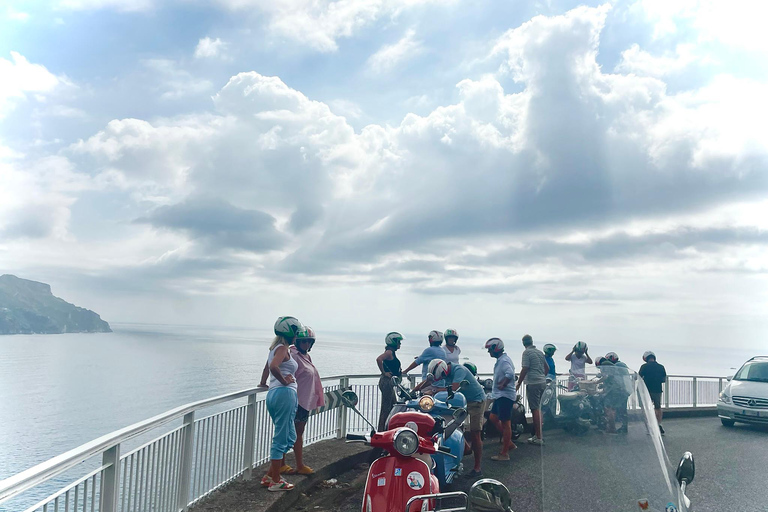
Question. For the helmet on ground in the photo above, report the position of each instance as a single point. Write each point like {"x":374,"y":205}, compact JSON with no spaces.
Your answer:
{"x":306,"y":334}
{"x":288,"y":327}
{"x":648,"y":354}
{"x":549,"y":349}
{"x":451,"y":332}
{"x":435,"y":337}
{"x":612,"y":357}
{"x":438,"y":368}
{"x":393,"y":339}
{"x":471,"y":367}
{"x":580,"y":347}
{"x":494,"y":345}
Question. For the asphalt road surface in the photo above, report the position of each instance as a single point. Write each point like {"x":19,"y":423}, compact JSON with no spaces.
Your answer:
{"x":600,"y":472}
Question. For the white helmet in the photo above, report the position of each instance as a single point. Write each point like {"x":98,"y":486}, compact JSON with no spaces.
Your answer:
{"x":494,"y":345}
{"x":438,"y":368}
{"x":451,"y":332}
{"x":393,"y":339}
{"x":648,"y":354}
{"x":435,"y":337}
{"x":288,"y":327}
{"x":612,"y":357}
{"x":580,"y":347}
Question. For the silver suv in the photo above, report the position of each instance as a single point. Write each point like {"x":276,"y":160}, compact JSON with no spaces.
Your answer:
{"x":745,"y":398}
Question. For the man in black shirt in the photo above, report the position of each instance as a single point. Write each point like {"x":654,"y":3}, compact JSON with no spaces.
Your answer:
{"x":654,"y":375}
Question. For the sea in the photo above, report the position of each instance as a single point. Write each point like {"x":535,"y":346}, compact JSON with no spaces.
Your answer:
{"x":60,"y":391}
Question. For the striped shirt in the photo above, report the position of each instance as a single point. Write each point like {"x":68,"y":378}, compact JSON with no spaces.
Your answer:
{"x":536,"y":362}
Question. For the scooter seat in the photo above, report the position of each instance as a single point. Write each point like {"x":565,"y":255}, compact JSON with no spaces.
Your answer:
{"x":570,"y":395}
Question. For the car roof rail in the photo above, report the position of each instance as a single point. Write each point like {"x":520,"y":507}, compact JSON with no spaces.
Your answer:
{"x":757,"y":358}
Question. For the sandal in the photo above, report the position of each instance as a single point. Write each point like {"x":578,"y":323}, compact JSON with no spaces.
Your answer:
{"x":305,"y":470}
{"x":499,"y":457}
{"x":286,"y":469}
{"x":282,"y":485}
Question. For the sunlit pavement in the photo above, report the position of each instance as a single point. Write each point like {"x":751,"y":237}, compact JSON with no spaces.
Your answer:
{"x":599,"y":472}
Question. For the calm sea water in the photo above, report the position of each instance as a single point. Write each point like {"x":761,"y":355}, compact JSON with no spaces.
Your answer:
{"x":59,"y":391}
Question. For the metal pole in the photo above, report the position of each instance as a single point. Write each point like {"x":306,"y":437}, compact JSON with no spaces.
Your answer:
{"x":412,"y":381}
{"x":185,"y":462}
{"x":110,"y":480}
{"x":250,"y":435}
{"x":720,"y":384}
{"x":341,"y":414}
{"x":695,"y":393}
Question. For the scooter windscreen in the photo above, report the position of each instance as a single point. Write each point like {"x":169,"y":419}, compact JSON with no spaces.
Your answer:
{"x":602,"y":452}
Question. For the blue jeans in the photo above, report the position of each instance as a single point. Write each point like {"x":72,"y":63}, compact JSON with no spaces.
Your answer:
{"x":281,"y":405}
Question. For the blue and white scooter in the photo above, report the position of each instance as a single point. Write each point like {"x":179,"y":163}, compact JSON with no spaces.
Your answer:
{"x":444,"y":406}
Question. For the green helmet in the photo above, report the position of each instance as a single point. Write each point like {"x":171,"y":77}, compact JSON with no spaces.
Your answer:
{"x":471,"y":367}
{"x":393,"y":339}
{"x":451,"y":332}
{"x":580,"y":347}
{"x":288,"y":327}
{"x":306,"y":334}
{"x":549,"y":349}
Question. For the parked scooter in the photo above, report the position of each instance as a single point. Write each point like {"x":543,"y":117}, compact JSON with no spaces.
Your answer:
{"x":519,"y":421}
{"x":443,"y":405}
{"x":401,"y":480}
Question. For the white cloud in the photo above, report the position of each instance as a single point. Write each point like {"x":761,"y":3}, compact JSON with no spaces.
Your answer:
{"x":22,"y":78}
{"x":118,"y":5}
{"x":13,"y":14}
{"x":208,"y":47}
{"x":391,"y":55}
{"x":174,"y":82}
{"x":640,"y":62}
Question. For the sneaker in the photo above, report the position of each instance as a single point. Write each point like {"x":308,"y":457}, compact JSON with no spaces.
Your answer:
{"x":282,"y":485}
{"x":475,"y":474}
{"x":499,"y":457}
{"x":536,"y":441}
{"x":661,"y":429}
{"x":622,"y":430}
{"x":265,"y":481}
{"x":531,"y":438}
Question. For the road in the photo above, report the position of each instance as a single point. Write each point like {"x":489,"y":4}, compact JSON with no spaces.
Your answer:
{"x":599,"y":472}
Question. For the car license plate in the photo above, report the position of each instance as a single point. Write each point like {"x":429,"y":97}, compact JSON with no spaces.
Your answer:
{"x":751,"y":413}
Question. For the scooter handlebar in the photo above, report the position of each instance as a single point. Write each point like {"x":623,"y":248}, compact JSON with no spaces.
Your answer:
{"x":356,"y":438}
{"x":447,"y":451}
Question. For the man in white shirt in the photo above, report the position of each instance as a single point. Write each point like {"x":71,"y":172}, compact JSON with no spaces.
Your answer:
{"x":504,"y":396}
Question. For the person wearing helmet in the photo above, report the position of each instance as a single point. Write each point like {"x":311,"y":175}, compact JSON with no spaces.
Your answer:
{"x":622,"y":371}
{"x":389,"y":366}
{"x":534,"y":374}
{"x":434,"y":351}
{"x":549,"y":351}
{"x":452,"y":352}
{"x":310,"y":395}
{"x":471,"y":367}
{"x":579,"y":358}
{"x":282,"y":400}
{"x":453,"y":374}
{"x":503,"y":394}
{"x":654,"y":375}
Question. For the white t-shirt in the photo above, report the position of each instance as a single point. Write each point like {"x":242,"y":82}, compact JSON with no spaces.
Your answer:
{"x":578,"y":365}
{"x":288,"y":367}
{"x":452,"y":357}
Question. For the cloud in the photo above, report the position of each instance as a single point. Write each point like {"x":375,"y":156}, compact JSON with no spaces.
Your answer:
{"x":640,"y":62}
{"x":22,"y":78}
{"x":207,"y":48}
{"x":174,"y":82}
{"x":391,"y":55}
{"x":118,"y":5}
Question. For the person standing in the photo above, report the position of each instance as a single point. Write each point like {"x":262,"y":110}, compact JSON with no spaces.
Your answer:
{"x":549,"y":351}
{"x":389,"y":366}
{"x":622,"y":370}
{"x":454,"y":374}
{"x":654,"y":375}
{"x":310,"y":395}
{"x":534,"y":374}
{"x":282,"y":399}
{"x":579,"y":358}
{"x":452,"y":352}
{"x":434,"y":351}
{"x":503,"y":395}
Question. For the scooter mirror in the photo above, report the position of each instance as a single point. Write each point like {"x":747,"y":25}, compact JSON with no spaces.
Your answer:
{"x":686,"y":470}
{"x":349,"y":398}
{"x":488,"y":495}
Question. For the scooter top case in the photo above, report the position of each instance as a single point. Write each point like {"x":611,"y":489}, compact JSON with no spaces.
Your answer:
{"x":392,"y":481}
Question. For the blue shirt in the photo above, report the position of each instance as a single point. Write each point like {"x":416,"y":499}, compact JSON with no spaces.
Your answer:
{"x":429,"y":354}
{"x":504,"y":369}
{"x":474,"y":391}
{"x":551,"y":363}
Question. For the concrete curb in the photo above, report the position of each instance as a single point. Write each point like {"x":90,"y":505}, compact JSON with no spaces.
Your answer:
{"x":288,"y":499}
{"x":689,"y":412}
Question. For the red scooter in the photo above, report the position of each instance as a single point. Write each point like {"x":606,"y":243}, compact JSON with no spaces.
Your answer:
{"x":402,"y":479}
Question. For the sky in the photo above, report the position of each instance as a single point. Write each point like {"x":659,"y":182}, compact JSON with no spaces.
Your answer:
{"x":592,"y":171}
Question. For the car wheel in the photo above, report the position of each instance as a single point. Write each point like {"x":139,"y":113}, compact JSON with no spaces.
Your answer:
{"x":727,"y":423}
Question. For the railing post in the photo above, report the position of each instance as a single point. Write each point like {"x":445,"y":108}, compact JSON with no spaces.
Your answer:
{"x":185,"y":466}
{"x":666,"y":393}
{"x":695,"y":394}
{"x":412,"y":381}
{"x":341,"y":414}
{"x":110,"y":480}
{"x":720,"y":384}
{"x":250,"y":436}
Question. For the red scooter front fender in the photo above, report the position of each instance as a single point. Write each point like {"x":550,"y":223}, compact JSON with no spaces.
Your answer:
{"x":392,"y":481}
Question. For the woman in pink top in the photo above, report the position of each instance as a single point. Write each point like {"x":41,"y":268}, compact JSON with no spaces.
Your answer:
{"x":311,"y":395}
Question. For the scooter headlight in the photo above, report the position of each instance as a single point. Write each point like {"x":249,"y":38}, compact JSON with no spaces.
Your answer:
{"x":406,"y":442}
{"x":426,"y":403}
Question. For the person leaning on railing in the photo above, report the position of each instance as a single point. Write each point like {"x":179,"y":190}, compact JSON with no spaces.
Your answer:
{"x":282,"y":399}
{"x":389,"y":366}
{"x":310,"y":394}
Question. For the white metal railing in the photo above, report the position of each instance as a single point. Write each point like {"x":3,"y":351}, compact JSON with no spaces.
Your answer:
{"x":188,"y":461}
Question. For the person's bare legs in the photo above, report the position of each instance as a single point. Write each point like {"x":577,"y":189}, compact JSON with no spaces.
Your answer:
{"x":477,"y":448}
{"x":610,"y":420}
{"x":506,"y":439}
{"x":298,"y":446}
{"x":658,"y":415}
{"x":494,"y":419}
{"x":537,"y":422}
{"x":274,"y":469}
